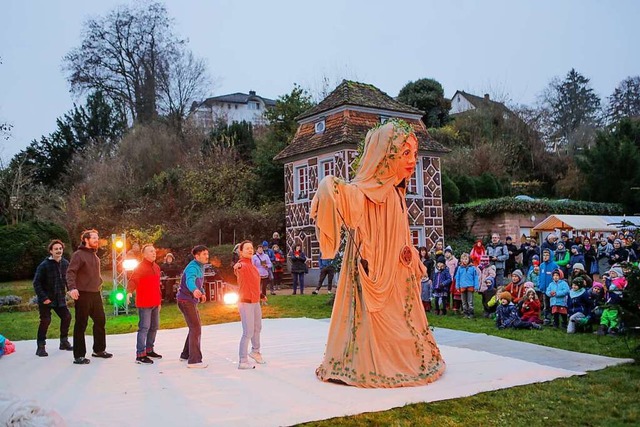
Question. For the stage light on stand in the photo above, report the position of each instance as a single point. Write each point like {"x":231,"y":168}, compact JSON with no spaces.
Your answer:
{"x":230,"y":298}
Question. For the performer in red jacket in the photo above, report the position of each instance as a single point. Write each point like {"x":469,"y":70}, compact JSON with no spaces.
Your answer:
{"x":145,"y":282}
{"x":249,"y":306}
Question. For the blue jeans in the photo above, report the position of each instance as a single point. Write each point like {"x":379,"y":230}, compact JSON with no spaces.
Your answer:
{"x":251,"y":318}
{"x":191,"y":349}
{"x":147,"y":329}
{"x":298,"y":279}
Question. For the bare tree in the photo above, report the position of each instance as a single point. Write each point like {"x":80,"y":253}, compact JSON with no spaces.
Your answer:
{"x":121,"y":54}
{"x":183,"y":79}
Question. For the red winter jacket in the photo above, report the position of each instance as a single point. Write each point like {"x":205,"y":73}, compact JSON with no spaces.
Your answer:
{"x":145,"y":281}
{"x":531,"y":308}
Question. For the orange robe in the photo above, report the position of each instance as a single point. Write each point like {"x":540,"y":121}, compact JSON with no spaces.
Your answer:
{"x":379,"y":335}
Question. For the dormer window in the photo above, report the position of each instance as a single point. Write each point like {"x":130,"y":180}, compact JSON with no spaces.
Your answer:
{"x":320,"y":126}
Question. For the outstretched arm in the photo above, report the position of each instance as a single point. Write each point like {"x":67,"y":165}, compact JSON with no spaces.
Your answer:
{"x":335,"y":204}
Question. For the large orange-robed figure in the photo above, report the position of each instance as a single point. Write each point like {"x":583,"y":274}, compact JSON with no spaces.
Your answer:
{"x":379,"y":335}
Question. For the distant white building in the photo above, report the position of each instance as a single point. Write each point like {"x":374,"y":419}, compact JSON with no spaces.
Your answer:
{"x":234,"y":107}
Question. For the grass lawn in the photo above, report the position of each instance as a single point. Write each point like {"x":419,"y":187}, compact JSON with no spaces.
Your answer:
{"x":606,"y":397}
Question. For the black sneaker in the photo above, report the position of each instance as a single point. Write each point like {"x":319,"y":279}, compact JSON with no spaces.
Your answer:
{"x":102,"y":354}
{"x":81,"y":361}
{"x":144,"y":360}
{"x":65,"y":345}
{"x":154,"y":355}
{"x":315,"y":292}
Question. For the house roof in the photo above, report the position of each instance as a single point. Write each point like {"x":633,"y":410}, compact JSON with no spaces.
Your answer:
{"x":587,"y":222}
{"x":347,"y":132}
{"x":358,"y":94}
{"x":238,"y":98}
{"x":481,"y":102}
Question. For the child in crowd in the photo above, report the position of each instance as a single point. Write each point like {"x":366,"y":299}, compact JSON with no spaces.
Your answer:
{"x":516,"y":287}
{"x":477,"y":252}
{"x":530,"y":310}
{"x":466,"y":281}
{"x":507,"y":315}
{"x":494,"y":301}
{"x":610,"y":319}
{"x":440,"y":284}
{"x":279,"y":261}
{"x":452,"y":264}
{"x":425,"y":294}
{"x":578,"y":305}
{"x":557,"y":292}
{"x":615,"y":276}
{"x":487,"y":287}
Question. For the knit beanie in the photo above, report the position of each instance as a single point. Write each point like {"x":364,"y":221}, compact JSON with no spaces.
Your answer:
{"x":505,"y":295}
{"x":618,"y":271}
{"x":598,"y":285}
{"x":528,"y":285}
{"x":448,"y":249}
{"x":618,"y":241}
{"x":517,"y":273}
{"x":560,"y":245}
{"x":578,"y":266}
{"x":578,"y":281}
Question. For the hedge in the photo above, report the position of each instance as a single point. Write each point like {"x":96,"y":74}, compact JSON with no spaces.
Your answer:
{"x":23,"y":246}
{"x":489,"y":208}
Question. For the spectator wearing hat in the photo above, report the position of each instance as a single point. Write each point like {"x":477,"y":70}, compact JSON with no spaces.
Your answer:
{"x":507,"y":315}
{"x":597,"y":297}
{"x":619,"y":253}
{"x":510,"y":263}
{"x":615,"y":276}
{"x":534,"y":275}
{"x":498,"y":255}
{"x":516,"y":287}
{"x":262,"y":262}
{"x":441,"y":283}
{"x":578,"y":305}
{"x":610,"y":319}
{"x":477,"y":252}
{"x":547,"y":266}
{"x":530,"y":308}
{"x":279,"y":261}
{"x":561,"y":257}
{"x":579,"y":271}
{"x":557,"y":292}
{"x":575,"y":257}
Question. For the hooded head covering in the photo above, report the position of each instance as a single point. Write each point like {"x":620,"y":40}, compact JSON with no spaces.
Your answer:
{"x":376,"y":175}
{"x":265,"y":243}
{"x":618,"y":271}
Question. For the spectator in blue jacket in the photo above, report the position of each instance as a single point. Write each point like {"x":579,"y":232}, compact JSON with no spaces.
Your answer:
{"x":467,"y":281}
{"x":547,"y":266}
{"x":557,"y":292}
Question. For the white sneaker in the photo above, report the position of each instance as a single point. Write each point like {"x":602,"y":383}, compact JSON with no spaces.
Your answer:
{"x":199,"y":365}
{"x":329,"y":292}
{"x":257,"y":357}
{"x":245,"y":365}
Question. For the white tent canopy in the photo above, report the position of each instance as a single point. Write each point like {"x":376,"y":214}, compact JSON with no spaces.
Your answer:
{"x":587,"y":223}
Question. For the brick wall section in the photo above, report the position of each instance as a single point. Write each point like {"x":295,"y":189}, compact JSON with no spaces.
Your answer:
{"x":507,"y":224}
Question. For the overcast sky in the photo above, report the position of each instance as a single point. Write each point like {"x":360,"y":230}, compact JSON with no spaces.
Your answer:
{"x":507,"y":48}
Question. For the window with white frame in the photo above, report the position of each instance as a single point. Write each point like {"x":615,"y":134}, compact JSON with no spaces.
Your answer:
{"x":301,"y":188}
{"x":326,"y":168}
{"x":417,"y":236}
{"x":414,"y":184}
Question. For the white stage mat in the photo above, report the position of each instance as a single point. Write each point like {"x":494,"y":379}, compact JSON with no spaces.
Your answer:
{"x":285,"y":391}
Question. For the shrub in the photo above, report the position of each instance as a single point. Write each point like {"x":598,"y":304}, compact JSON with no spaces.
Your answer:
{"x":467,"y":187}
{"x":450,"y":191}
{"x":24,"y":246}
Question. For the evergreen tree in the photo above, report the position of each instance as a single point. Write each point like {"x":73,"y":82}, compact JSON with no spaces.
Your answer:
{"x":428,"y":96}
{"x":625,"y":100}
